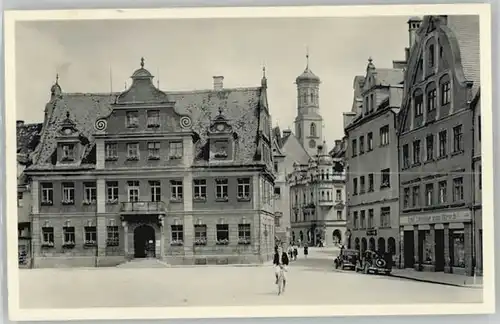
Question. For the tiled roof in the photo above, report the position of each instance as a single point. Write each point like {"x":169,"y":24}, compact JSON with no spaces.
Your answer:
{"x":240,"y":106}
{"x":84,"y":109}
{"x":387,"y":77}
{"x":466,"y":30}
{"x":27,"y":137}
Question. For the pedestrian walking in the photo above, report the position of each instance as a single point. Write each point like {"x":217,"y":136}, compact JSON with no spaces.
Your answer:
{"x":306,"y":250}
{"x":290,"y":251}
{"x":295,"y":251}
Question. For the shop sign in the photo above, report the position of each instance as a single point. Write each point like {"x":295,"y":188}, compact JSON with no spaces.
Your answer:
{"x":462,"y":216}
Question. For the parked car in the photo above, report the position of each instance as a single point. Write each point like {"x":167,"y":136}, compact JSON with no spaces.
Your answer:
{"x":373,"y":262}
{"x":346,"y":259}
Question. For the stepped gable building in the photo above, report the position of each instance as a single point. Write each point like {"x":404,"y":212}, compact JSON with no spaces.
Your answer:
{"x":185,"y":177}
{"x":27,"y":140}
{"x":440,"y":219}
{"x":372,"y":160}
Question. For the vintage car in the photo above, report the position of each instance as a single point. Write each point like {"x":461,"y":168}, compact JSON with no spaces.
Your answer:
{"x":346,"y":259}
{"x":373,"y":262}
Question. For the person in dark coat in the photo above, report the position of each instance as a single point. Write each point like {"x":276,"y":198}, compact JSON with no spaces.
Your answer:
{"x":306,"y":250}
{"x":280,"y":260}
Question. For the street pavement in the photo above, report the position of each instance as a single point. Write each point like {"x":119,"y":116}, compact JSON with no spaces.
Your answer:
{"x":311,"y":281}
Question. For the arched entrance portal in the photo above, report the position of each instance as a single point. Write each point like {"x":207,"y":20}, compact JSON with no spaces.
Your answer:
{"x":363,"y":245}
{"x":381,"y":245}
{"x":372,"y":244}
{"x":144,"y":241}
{"x":337,"y":237}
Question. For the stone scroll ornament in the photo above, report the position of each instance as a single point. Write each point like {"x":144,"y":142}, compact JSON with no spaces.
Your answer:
{"x":186,"y":122}
{"x":100,"y":124}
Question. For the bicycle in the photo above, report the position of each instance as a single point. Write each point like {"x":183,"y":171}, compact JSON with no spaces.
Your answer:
{"x":281,"y":280}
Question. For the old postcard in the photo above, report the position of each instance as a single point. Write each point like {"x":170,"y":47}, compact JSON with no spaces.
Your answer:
{"x":173,"y":166}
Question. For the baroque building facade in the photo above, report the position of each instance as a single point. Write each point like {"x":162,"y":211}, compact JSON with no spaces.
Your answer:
{"x":185,"y":177}
{"x":439,"y":163}
{"x":372,"y":161}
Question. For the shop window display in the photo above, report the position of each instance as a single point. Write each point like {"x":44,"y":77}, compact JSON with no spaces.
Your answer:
{"x":458,"y":249}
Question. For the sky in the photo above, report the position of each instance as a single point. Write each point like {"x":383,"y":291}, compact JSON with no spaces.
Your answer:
{"x":187,"y":53}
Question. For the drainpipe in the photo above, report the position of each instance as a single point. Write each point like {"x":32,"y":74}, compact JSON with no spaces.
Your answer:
{"x":399,"y":190}
{"x":473,"y":193}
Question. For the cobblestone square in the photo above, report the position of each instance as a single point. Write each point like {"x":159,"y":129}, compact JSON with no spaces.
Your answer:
{"x":311,"y":282}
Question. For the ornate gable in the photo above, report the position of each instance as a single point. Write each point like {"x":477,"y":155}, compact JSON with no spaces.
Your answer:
{"x":221,"y":139}
{"x":142,"y":89}
{"x":68,"y":129}
{"x":70,"y":142}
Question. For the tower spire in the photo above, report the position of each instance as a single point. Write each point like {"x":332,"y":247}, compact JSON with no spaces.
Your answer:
{"x":158,"y":78}
{"x":263,"y":81}
{"x":142,"y":62}
{"x":307,"y":57}
{"x":57,"y":78}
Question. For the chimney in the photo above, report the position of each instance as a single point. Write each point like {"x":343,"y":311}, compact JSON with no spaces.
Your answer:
{"x":218,"y":82}
{"x":413,"y":26}
{"x":20,"y":123}
{"x":348,"y":118}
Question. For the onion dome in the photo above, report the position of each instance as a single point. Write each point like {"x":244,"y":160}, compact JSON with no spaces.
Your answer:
{"x":323,"y":157}
{"x":307,"y":75}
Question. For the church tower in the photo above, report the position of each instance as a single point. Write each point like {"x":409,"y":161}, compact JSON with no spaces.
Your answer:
{"x":308,"y":123}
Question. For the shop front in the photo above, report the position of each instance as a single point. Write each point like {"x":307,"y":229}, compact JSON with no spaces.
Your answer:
{"x":438,"y":241}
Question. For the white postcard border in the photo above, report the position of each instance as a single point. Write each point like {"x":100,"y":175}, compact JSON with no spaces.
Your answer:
{"x":488,"y":305}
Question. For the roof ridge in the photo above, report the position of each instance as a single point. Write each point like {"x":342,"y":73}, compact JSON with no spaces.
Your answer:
{"x":110,"y":94}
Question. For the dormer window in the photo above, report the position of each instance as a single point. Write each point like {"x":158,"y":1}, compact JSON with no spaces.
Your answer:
{"x":153,"y":118}
{"x":132,"y":119}
{"x":68,"y":151}
{"x":221,"y":138}
{"x":220,"y":149}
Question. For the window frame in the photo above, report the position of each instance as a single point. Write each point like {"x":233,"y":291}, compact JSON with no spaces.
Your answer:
{"x":243,"y":190}
{"x":176,"y":235}
{"x":200,"y":189}
{"x":244,"y":234}
{"x":176,"y":190}
{"x":222,"y":189}
{"x":132,"y":119}
{"x":222,"y":234}
{"x":68,"y":193}
{"x":47,"y":193}
{"x":133,"y":191}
